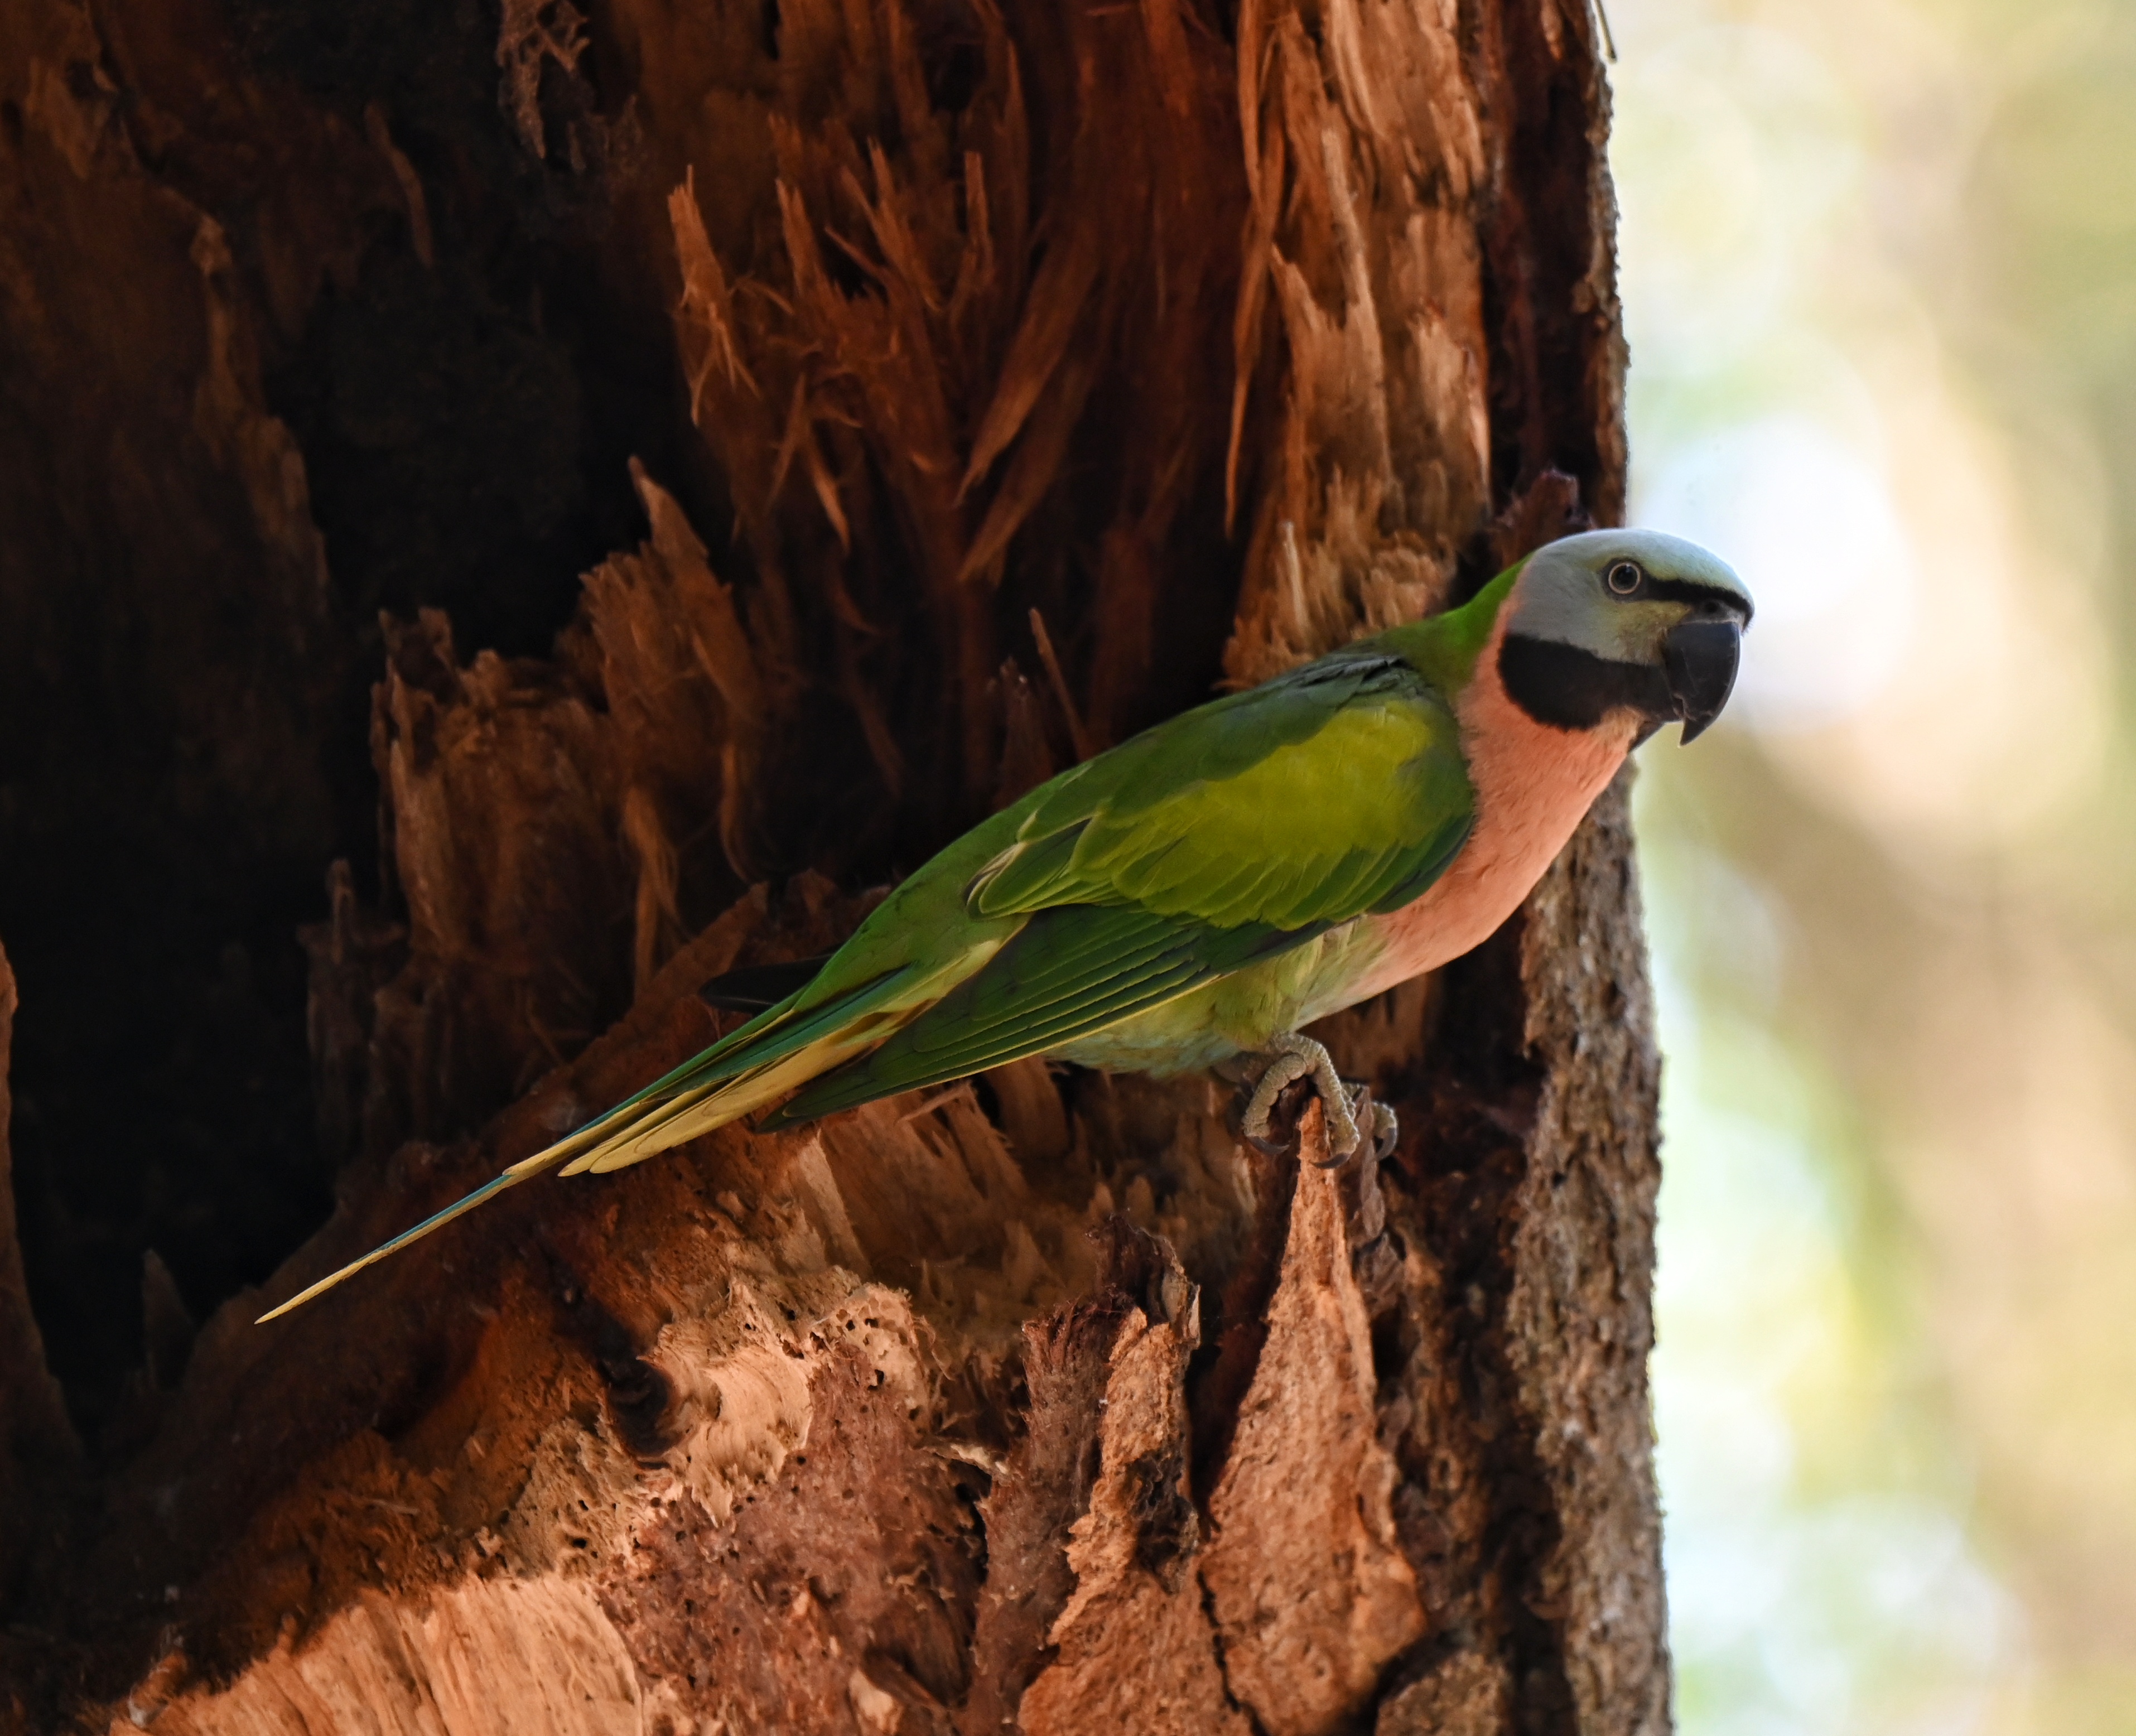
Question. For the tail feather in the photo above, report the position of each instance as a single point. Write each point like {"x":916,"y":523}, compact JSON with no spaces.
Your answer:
{"x":701,"y":1110}
{"x":646,"y":1128}
{"x":496,"y":1185}
{"x":736,"y":1084}
{"x":599,"y":1134}
{"x":766,"y":1058}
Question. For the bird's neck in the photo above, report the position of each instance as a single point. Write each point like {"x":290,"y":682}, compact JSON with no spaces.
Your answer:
{"x":1534,"y":781}
{"x":1449,"y":649}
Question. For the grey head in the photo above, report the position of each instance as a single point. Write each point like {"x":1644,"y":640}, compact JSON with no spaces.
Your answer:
{"x":1610,"y":621}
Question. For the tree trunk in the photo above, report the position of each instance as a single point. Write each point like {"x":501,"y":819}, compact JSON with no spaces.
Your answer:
{"x":932,"y":392}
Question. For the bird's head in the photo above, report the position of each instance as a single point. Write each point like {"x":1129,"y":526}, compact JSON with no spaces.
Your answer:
{"x":1613,"y":621}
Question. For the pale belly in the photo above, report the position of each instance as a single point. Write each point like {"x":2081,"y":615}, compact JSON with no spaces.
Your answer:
{"x":1533,"y":786}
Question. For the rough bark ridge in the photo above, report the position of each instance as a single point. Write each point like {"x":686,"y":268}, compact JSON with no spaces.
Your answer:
{"x":931,"y":393}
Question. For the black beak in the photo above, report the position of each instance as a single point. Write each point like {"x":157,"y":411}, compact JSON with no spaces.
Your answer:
{"x":1700,"y":657}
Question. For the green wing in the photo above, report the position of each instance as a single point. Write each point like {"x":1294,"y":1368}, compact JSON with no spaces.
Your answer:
{"x":1309,"y":801}
{"x":1207,"y":844}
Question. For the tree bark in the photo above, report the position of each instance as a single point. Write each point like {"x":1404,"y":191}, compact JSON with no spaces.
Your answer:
{"x":931,"y":393}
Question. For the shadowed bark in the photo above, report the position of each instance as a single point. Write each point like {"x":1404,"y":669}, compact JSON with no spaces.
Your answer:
{"x":600,"y":492}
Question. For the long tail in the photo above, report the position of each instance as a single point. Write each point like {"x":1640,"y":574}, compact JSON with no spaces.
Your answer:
{"x":741,"y":1073}
{"x":496,"y":1185}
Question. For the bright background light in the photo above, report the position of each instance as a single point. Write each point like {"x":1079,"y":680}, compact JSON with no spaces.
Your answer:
{"x":1879,"y":270}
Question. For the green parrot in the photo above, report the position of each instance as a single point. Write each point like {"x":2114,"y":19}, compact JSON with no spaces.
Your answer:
{"x":1203,"y":891}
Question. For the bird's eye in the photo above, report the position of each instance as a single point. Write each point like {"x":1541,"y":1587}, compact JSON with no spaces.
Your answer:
{"x":1623,"y":577}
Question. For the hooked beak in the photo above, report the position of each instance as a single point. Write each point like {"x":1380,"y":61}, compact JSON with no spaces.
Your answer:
{"x":1700,"y":658}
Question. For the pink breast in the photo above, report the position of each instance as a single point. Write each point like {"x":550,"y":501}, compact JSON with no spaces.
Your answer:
{"x":1533,"y":785}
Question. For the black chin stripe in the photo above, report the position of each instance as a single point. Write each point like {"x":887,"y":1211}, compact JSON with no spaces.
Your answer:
{"x":1568,"y":688}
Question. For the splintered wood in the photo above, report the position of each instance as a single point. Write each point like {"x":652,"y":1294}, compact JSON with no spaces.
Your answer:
{"x":792,"y":1383}
{"x":1293,"y":1607}
{"x":1365,"y":157}
{"x":1306,"y":1577}
{"x":1003,"y":378}
{"x":939,"y":327}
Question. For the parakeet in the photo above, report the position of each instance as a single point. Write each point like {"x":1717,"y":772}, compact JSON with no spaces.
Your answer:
{"x":1205,"y":889}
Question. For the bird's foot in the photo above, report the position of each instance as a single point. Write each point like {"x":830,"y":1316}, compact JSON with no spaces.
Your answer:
{"x":1294,"y":1058}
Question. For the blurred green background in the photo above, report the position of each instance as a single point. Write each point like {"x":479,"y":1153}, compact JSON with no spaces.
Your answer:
{"x":1879,"y":268}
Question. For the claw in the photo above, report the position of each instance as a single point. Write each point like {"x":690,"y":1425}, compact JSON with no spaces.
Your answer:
{"x":1296,"y":1058}
{"x":1386,"y":1131}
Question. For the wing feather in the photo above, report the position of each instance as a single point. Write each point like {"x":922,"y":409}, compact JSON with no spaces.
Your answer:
{"x":1071,"y":970}
{"x":1308,"y":801}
